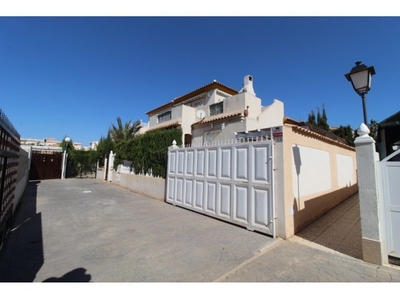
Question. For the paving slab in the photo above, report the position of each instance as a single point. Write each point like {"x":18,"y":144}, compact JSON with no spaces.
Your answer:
{"x":299,"y":260}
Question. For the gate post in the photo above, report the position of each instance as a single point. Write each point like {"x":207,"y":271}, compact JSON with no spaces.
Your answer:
{"x":174,"y":146}
{"x":110,"y":166}
{"x":64,"y":165}
{"x":368,"y":193}
{"x":105,"y":168}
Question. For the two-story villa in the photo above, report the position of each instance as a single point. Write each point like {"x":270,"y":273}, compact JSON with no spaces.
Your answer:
{"x":214,"y":112}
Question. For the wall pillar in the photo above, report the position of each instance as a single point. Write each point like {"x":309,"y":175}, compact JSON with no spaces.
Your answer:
{"x":64,"y":165}
{"x":110,"y":166}
{"x":368,"y":193}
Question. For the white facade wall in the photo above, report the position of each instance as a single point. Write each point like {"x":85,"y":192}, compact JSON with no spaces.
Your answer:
{"x":215,"y":96}
{"x":272,"y":115}
{"x":241,"y":102}
{"x":257,"y":118}
{"x":311,"y":171}
{"x":223,"y":131}
{"x":345,"y":170}
{"x":188,"y":115}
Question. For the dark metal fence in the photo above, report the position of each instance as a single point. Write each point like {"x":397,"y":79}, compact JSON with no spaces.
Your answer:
{"x":9,"y":155}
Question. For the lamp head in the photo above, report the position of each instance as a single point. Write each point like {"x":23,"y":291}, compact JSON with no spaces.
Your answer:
{"x":360,"y":77}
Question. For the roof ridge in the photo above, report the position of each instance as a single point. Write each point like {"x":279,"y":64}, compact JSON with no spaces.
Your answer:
{"x":204,"y":86}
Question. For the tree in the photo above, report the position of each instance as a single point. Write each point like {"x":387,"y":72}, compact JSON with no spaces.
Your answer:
{"x":83,"y":162}
{"x":322,"y":119}
{"x":311,"y":118}
{"x":346,"y":133}
{"x":373,"y":127}
{"x":67,"y":146}
{"x":104,"y":147}
{"x":124,"y":132}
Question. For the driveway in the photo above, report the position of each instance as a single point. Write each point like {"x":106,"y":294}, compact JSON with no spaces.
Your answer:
{"x":90,"y":230}
{"x":85,"y":230}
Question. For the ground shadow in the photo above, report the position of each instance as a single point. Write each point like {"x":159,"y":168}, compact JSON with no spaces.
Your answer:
{"x":22,"y":255}
{"x":338,"y":229}
{"x":76,"y":275}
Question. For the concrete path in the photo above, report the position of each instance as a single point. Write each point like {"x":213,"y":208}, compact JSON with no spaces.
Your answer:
{"x":88,"y":230}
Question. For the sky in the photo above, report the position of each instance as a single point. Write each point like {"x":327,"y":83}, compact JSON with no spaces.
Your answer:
{"x":73,"y":73}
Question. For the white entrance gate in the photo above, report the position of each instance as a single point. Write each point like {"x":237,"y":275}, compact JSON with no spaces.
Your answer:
{"x":231,"y":182}
{"x":390,"y":187}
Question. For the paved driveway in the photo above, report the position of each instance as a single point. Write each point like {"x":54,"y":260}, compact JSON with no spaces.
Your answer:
{"x":88,"y":230}
{"x":83,"y":229}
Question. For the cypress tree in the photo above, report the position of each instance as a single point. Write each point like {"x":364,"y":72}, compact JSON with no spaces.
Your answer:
{"x":322,"y":119}
{"x":311,"y":118}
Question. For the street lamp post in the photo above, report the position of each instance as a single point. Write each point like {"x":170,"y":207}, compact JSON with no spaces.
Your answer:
{"x":66,"y":143}
{"x":67,"y":140}
{"x":360,"y":77}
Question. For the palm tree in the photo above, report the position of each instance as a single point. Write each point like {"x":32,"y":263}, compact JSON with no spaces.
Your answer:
{"x":124,"y":132}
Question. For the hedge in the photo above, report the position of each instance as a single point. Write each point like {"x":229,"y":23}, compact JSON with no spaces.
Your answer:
{"x":149,"y":151}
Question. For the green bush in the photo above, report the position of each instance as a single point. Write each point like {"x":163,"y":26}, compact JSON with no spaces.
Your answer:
{"x":81,"y":162}
{"x":149,"y":151}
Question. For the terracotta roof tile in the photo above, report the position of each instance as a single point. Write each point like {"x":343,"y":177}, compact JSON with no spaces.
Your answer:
{"x":219,"y":117}
{"x":208,"y":87}
{"x":164,"y":125}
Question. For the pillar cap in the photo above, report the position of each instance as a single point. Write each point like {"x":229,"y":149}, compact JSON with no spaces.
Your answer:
{"x":363,"y":138}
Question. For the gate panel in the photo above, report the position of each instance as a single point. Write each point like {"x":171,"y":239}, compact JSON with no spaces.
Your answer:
{"x":212,"y":163}
{"x":189,"y":163}
{"x":241,"y":163}
{"x":179,"y":190}
{"x":200,"y":163}
{"x":261,"y":172}
{"x":188,"y":198}
{"x":240,"y":204}
{"x":225,"y":164}
{"x":172,"y":163}
{"x":232,"y":182}
{"x":390,"y":169}
{"x":211,"y":199}
{"x":260,"y":208}
{"x":224,"y":209}
{"x":46,"y":166}
{"x":181,"y":163}
{"x":170,"y":189}
{"x":199,"y":195}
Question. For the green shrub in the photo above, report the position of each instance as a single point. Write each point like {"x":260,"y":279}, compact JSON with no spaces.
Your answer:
{"x":149,"y":151}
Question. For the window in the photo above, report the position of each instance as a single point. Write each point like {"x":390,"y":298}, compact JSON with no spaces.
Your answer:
{"x":164,"y":117}
{"x":217,"y":108}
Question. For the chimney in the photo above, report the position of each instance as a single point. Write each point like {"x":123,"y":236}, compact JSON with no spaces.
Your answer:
{"x":248,"y":85}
